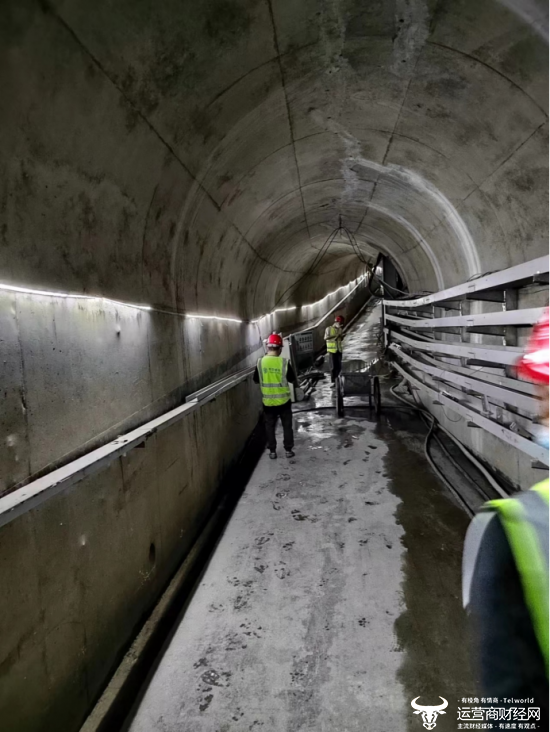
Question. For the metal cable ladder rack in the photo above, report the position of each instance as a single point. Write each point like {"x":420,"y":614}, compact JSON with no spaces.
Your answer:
{"x":438,"y":344}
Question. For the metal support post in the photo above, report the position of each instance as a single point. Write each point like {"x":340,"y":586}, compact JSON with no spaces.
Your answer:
{"x":510,"y":303}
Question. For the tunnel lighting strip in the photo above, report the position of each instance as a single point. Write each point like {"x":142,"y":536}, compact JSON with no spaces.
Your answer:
{"x":311,"y":304}
{"x":495,"y":428}
{"x":192,"y":316}
{"x":350,"y":284}
{"x":212,"y":317}
{"x":68,"y":295}
{"x":338,"y":304}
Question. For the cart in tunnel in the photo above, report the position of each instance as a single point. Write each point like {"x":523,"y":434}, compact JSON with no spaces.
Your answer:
{"x":357,"y":379}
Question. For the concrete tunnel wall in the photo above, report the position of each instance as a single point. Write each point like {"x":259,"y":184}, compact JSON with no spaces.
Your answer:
{"x":194,"y":157}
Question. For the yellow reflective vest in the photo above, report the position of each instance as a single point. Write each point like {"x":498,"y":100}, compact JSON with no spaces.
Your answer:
{"x":273,"y":380}
{"x":333,"y":338}
{"x":524,"y":518}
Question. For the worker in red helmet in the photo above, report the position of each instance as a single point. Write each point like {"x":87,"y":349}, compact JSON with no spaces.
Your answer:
{"x":274,"y":374}
{"x":505,"y":571}
{"x":333,"y":338}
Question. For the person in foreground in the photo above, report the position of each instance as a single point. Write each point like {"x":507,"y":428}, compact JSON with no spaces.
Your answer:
{"x":274,"y":374}
{"x":505,"y":573}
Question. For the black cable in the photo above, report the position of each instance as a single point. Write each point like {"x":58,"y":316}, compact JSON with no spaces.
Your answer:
{"x":372,"y":275}
{"x":480,"y":274}
{"x":356,"y":248}
{"x":453,"y":490}
{"x":446,"y":451}
{"x":429,"y":458}
{"x":360,"y":256}
{"x":459,"y":467}
{"x":454,"y":421}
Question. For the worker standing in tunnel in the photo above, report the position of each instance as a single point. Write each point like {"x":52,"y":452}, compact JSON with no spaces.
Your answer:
{"x":505,"y":571}
{"x":274,"y":374}
{"x":333,"y":339}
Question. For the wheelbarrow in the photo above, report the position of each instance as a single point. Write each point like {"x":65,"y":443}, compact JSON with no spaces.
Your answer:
{"x":357,"y":378}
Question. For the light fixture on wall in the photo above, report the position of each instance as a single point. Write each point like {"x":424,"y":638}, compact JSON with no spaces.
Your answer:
{"x":356,"y":281}
{"x":193,"y":316}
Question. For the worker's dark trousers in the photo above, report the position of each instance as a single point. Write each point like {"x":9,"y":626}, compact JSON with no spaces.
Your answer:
{"x":336,"y":365}
{"x":271,"y":414}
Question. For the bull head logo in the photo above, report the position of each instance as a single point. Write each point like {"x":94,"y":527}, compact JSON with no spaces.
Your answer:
{"x":429,"y":714}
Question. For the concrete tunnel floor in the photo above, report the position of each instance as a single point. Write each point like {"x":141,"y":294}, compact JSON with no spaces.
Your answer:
{"x":333,"y":597}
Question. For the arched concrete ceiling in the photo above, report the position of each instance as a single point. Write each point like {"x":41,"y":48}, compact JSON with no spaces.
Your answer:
{"x":198,"y":154}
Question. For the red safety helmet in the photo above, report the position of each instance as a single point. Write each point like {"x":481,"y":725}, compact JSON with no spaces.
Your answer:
{"x":275,"y":341}
{"x":339,"y":319}
{"x":534,"y":364}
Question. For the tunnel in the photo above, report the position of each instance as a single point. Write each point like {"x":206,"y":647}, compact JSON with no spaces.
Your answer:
{"x":180,"y":180}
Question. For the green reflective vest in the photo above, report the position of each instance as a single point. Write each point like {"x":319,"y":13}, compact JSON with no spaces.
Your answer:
{"x":333,"y":337}
{"x":524,"y":518}
{"x":273,"y":380}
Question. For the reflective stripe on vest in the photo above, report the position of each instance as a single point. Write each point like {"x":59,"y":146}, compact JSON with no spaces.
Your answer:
{"x":525,"y":521}
{"x":334,"y":344}
{"x":273,"y":381}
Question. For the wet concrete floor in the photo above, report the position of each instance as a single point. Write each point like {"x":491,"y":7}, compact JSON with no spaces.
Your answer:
{"x":333,"y":598}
